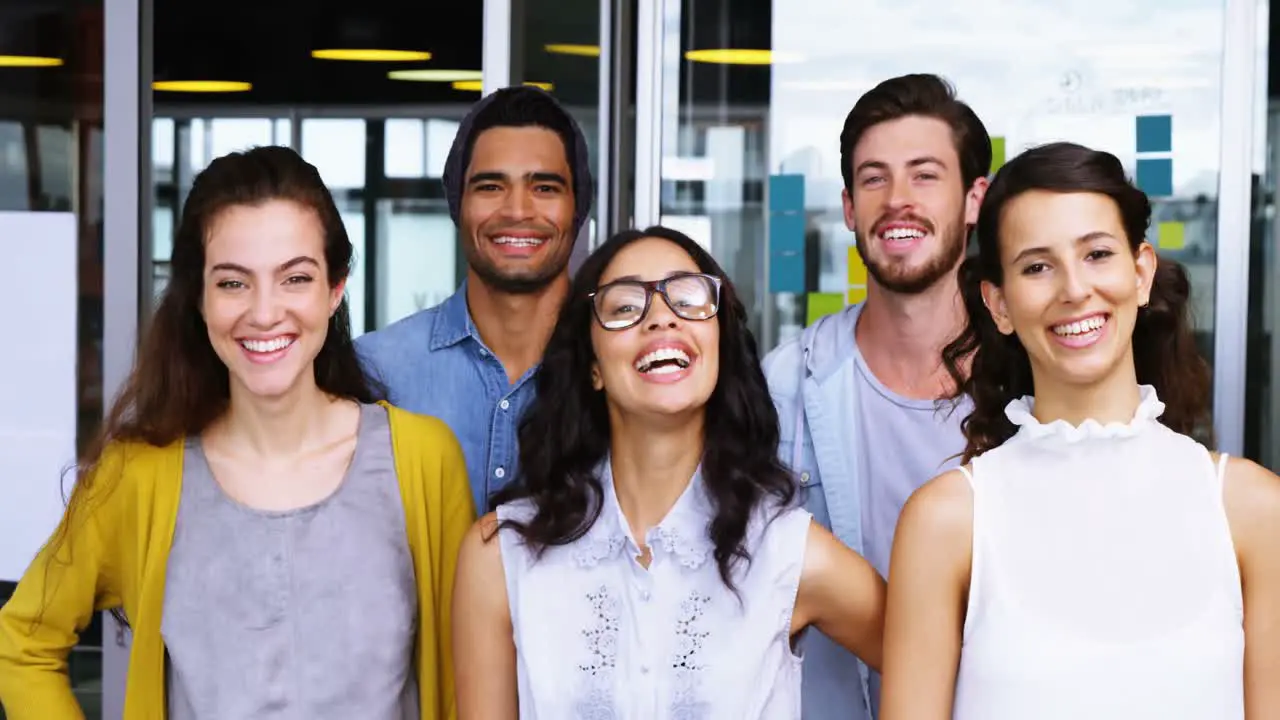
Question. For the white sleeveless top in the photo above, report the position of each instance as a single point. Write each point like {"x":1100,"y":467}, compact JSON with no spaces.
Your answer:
{"x":1104,"y":581}
{"x":598,"y":636}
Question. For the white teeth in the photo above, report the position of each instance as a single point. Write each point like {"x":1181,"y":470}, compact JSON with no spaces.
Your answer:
{"x":902,"y":234}
{"x":645,"y":364}
{"x":1082,"y":326}
{"x":266,"y":346}
{"x":518,"y":241}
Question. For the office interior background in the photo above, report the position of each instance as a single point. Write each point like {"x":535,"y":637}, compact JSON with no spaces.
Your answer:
{"x":718,"y":117}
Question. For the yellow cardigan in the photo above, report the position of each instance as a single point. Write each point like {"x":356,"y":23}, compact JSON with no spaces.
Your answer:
{"x":116,"y":555}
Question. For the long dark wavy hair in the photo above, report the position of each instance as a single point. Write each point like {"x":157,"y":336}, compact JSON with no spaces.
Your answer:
{"x":1164,"y":350}
{"x":178,"y":385}
{"x":565,"y":434}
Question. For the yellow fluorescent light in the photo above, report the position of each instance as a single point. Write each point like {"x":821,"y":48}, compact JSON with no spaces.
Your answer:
{"x":571,"y":49}
{"x":477,"y":86}
{"x":370,"y":55}
{"x":206,"y":86}
{"x":434,"y":75}
{"x":29,"y":61}
{"x":734,"y":56}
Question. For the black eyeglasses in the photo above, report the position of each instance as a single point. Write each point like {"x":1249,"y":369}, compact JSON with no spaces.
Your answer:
{"x":624,"y":303}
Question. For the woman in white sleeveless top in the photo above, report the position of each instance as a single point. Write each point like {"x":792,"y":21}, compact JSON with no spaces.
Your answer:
{"x":650,"y":561}
{"x":1092,"y":560}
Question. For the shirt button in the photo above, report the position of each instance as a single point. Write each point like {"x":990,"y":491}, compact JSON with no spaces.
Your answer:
{"x":804,"y":478}
{"x":504,"y":404}
{"x":484,"y":353}
{"x":499,"y":473}
{"x":644,"y":595}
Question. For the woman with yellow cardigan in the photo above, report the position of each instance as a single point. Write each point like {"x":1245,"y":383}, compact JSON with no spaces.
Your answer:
{"x":281,"y":542}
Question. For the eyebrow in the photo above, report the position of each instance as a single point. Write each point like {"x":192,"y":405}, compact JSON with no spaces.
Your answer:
{"x":914,"y":162}
{"x":300,"y":260}
{"x":1087,"y":237}
{"x":637,"y":278}
{"x":539,"y":176}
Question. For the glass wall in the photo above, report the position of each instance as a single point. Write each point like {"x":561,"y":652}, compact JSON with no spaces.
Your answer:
{"x":756,"y":92}
{"x":370,"y":93}
{"x":51,"y":161}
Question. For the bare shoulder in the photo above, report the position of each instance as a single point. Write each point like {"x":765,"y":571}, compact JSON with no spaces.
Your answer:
{"x":1251,"y":494}
{"x":480,"y":547}
{"x":941,"y":510}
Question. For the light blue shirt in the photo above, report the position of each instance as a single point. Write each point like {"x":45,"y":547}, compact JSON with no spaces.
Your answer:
{"x":434,"y":363}
{"x":858,"y":451}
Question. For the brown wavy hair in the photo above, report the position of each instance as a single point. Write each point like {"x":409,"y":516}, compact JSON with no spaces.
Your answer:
{"x":178,"y":384}
{"x":1164,"y":350}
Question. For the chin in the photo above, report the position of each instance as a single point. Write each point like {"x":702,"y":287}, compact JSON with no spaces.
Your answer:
{"x":268,"y":387}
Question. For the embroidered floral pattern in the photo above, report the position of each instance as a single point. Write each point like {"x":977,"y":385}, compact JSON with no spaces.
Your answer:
{"x":596,"y":700}
{"x":687,"y":702}
{"x":689,"y":552}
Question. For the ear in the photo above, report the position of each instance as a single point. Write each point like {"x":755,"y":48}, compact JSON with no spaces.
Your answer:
{"x":846,"y":200}
{"x":597,"y":382}
{"x":973,"y":200}
{"x":993,"y":298}
{"x":335,"y":295}
{"x":1146,"y":262}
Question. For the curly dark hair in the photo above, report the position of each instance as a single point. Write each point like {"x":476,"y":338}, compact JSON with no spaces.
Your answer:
{"x":565,"y":433}
{"x":1164,"y":350}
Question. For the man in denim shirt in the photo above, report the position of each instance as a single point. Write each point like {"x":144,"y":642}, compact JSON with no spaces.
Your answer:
{"x":857,"y":391}
{"x":519,"y":188}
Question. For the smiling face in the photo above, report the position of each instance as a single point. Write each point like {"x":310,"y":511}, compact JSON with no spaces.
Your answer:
{"x":517,"y":209}
{"x":267,"y":299}
{"x":665,"y":364}
{"x":1072,"y":285}
{"x":909,"y":209}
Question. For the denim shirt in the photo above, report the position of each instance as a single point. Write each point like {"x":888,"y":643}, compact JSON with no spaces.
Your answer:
{"x":434,"y":363}
{"x":811,"y":379}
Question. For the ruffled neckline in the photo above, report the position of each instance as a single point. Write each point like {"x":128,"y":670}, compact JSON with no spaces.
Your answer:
{"x":1019,"y":412}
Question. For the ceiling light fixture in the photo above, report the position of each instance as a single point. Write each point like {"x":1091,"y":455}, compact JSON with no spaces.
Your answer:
{"x":29,"y":61}
{"x":370,"y":55}
{"x":573,"y":49}
{"x":434,"y":75}
{"x":201,"y":86}
{"x":736,"y":56}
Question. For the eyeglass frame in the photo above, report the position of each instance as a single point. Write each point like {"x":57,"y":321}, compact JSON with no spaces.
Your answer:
{"x":650,"y":288}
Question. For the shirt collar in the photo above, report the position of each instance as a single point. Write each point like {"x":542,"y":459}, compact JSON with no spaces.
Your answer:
{"x":682,"y":534}
{"x":453,"y":324}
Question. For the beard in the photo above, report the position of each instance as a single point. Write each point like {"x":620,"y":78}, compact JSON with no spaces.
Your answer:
{"x":897,"y":277}
{"x":520,"y":281}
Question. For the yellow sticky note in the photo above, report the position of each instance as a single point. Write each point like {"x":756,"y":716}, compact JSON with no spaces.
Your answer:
{"x":857,"y":269}
{"x":1171,"y":236}
{"x":857,"y":294}
{"x":822,"y":304}
{"x":997,"y":154}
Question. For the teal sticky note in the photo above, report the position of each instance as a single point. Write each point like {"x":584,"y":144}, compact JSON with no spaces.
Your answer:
{"x":1154,"y":133}
{"x":786,"y":271}
{"x":1155,"y":176}
{"x":786,"y":231}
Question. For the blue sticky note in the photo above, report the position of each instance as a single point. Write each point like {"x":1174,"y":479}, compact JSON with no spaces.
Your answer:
{"x":786,"y":231}
{"x":786,"y":192}
{"x":1155,"y":133}
{"x":786,"y":271}
{"x":1155,"y":176}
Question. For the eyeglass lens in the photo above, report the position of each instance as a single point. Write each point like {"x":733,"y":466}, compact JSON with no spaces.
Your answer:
{"x":692,"y":297}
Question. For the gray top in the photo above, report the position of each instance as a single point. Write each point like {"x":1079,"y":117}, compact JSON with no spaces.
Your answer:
{"x":307,"y":613}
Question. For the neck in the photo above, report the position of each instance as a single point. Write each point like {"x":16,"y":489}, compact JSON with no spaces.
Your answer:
{"x":1113,"y":400}
{"x":277,"y":427}
{"x":516,"y":327}
{"x":652,"y":465}
{"x":902,"y":336}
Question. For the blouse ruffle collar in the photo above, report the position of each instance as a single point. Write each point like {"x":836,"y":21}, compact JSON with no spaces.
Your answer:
{"x":1019,"y":412}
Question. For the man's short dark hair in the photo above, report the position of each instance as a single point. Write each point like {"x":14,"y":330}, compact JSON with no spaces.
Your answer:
{"x":924,"y":95}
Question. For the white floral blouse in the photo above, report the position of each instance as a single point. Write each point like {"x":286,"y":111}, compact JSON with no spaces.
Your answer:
{"x":599,"y":636}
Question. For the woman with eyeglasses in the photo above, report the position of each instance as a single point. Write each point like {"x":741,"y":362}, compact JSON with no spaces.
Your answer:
{"x":651,"y":561}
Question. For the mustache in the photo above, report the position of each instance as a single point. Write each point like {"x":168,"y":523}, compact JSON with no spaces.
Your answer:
{"x":878,"y":226}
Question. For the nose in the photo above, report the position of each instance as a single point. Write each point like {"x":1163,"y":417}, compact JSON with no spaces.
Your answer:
{"x":518,"y":205}
{"x":266,"y":310}
{"x":901,"y":194}
{"x":660,"y":314}
{"x":1073,"y":285}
